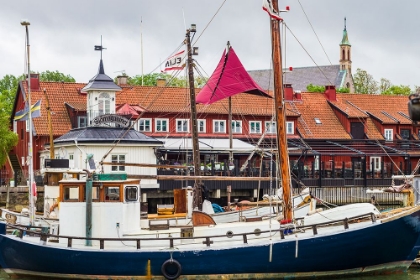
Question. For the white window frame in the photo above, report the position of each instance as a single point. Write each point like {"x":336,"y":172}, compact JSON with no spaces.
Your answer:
{"x":71,"y":160}
{"x":255,"y":130}
{"x":389,"y":134}
{"x":104,"y":103}
{"x":218,"y":124}
{"x":182,"y":125}
{"x":376,"y":163}
{"x":80,"y":122}
{"x":158,"y":122}
{"x":236,"y":126}
{"x":201,"y":123}
{"x":120,"y":158}
{"x":270,"y":127}
{"x":290,"y":128}
{"x":144,"y":126}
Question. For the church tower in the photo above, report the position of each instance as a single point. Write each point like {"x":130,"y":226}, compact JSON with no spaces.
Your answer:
{"x":345,"y":59}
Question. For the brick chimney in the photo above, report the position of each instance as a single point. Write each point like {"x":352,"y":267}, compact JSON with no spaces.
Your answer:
{"x":34,"y":81}
{"x":288,"y":92}
{"x":161,"y":82}
{"x":330,"y":93}
{"x":122,"y":80}
{"x":298,"y":95}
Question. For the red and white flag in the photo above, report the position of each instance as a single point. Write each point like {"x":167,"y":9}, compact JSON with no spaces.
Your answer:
{"x":175,"y":62}
{"x":268,"y":7}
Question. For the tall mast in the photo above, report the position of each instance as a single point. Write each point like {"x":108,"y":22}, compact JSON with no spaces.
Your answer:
{"x":194,"y":129}
{"x":283,"y":157}
{"x":30,"y":143}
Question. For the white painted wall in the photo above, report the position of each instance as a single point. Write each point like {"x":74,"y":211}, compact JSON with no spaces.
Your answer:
{"x":105,"y":217}
{"x":133,"y":154}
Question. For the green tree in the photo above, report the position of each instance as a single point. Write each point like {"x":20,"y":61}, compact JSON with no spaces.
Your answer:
{"x":384,"y":85}
{"x":8,"y":87}
{"x":343,"y":90}
{"x":55,"y":76}
{"x":364,"y":82}
{"x":8,"y":139}
{"x":398,"y":90}
{"x":315,"y":88}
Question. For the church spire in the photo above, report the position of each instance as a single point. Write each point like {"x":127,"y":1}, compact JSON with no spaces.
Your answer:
{"x":345,"y":40}
{"x":345,"y":59}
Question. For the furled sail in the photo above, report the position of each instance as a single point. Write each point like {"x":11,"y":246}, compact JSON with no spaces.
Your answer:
{"x":229,"y":78}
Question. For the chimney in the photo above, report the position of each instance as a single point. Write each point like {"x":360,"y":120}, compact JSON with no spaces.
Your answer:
{"x":330,"y":93}
{"x":288,"y":92}
{"x":161,"y":82}
{"x":34,"y":81}
{"x":122,"y":80}
{"x":298,"y":95}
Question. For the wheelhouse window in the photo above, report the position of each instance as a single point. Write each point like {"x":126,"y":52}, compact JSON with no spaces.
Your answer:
{"x":254,"y":127}
{"x":71,"y":193}
{"x":388,"y":134}
{"x":161,"y":125}
{"x":290,"y":128}
{"x":201,"y":125}
{"x":270,"y":127}
{"x":182,"y":125}
{"x":112,"y":193}
{"x":236,"y":126}
{"x":131,"y":193}
{"x":219,"y":126}
{"x":118,"y":159}
{"x":145,"y":125}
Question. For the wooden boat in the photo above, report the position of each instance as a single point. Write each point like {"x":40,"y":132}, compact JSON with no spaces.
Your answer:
{"x":103,"y":239}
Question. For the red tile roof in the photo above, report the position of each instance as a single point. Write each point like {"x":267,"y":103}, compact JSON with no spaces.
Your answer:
{"x":314,"y":105}
{"x":386,"y":109}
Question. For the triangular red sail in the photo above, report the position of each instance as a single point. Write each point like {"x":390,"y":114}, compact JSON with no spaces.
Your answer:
{"x":229,"y":78}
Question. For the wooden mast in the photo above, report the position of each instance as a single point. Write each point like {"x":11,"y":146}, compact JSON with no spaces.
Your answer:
{"x":52,"y":156}
{"x":283,"y":157}
{"x":197,"y":201}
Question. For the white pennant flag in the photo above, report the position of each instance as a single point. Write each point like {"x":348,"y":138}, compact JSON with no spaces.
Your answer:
{"x":268,"y":7}
{"x":175,"y":62}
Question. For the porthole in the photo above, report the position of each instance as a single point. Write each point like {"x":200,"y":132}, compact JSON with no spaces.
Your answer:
{"x":229,"y":234}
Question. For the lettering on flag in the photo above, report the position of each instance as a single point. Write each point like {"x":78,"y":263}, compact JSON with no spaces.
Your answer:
{"x":175,"y":62}
{"x":268,"y":7}
{"x":22,"y":115}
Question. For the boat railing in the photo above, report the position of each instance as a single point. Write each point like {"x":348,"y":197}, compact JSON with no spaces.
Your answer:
{"x":207,"y":240}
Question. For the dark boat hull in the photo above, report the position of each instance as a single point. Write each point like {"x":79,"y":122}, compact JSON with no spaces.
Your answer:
{"x":381,"y":248}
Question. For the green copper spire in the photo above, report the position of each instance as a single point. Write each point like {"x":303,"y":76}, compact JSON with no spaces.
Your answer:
{"x":345,"y":40}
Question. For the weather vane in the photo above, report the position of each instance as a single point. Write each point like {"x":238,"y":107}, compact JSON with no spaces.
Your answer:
{"x":100,"y":48}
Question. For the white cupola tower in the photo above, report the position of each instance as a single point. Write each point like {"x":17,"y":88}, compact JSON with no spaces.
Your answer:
{"x":101,"y":91}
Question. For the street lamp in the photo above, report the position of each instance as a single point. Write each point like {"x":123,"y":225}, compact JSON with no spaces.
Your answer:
{"x":26,"y":23}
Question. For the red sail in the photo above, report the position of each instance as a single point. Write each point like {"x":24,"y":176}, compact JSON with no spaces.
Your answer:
{"x":229,"y":78}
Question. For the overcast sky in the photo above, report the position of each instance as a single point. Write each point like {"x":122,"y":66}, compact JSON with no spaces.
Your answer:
{"x":62,"y":35}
